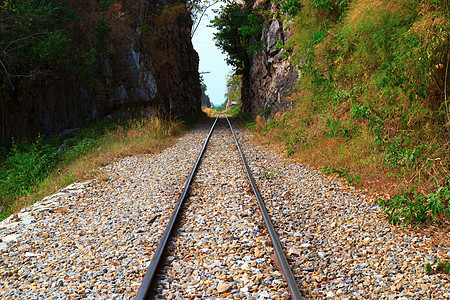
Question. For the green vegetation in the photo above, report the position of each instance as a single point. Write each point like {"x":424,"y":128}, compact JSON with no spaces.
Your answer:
{"x":234,"y":83}
{"x":222,"y":107}
{"x":233,"y":97}
{"x":35,"y":37}
{"x":267,"y":174}
{"x":344,"y":173}
{"x":235,"y":24}
{"x":33,"y":169}
{"x":438,"y":267}
{"x":47,"y":41}
{"x":373,"y":105}
{"x":408,"y":208}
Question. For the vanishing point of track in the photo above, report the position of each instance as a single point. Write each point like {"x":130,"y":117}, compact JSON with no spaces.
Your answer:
{"x":146,"y":290}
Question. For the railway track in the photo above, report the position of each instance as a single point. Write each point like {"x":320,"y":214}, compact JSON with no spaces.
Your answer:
{"x":236,"y":217}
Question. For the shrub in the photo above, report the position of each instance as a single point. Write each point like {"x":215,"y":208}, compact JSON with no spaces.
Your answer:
{"x":26,"y":164}
{"x":406,"y":208}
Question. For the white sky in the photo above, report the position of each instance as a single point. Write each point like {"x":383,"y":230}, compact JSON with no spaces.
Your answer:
{"x":211,"y":59}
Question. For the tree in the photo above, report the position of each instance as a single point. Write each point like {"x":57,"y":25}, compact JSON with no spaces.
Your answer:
{"x":234,"y":88}
{"x":33,"y":38}
{"x":236,"y":24}
{"x":199,"y":11}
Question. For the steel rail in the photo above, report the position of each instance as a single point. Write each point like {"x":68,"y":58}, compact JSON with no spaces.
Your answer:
{"x":145,"y":288}
{"x":285,"y":269}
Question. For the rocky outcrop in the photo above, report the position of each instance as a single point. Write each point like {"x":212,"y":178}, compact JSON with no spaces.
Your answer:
{"x":155,"y":69}
{"x":271,"y":77}
{"x":176,"y":64}
{"x":206,"y":101}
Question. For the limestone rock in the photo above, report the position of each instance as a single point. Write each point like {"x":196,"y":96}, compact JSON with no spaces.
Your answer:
{"x":164,"y":82}
{"x":272,"y":77}
{"x":223,"y":287}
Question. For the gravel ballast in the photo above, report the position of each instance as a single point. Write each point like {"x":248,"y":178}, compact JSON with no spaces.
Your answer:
{"x":95,"y":239}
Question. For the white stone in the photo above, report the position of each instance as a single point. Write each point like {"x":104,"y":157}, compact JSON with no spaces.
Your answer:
{"x":10,"y":238}
{"x":330,"y":295}
{"x":223,"y":287}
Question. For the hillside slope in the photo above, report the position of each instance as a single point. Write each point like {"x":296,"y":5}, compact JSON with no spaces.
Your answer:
{"x":372,"y":102}
{"x":369,"y":100}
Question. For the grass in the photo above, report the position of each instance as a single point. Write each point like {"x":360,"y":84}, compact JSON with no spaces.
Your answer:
{"x":33,"y":169}
{"x":373,"y":105}
{"x":210,"y":112}
{"x":238,"y":114}
{"x":234,"y":112}
{"x":413,"y":179}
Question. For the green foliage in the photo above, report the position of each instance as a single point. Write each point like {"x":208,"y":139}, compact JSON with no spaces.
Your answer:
{"x":340,"y":128}
{"x":25,"y":165}
{"x":428,"y":268}
{"x":52,"y":38}
{"x":105,"y":4}
{"x":238,"y":29}
{"x":29,"y":163}
{"x":408,"y":209}
{"x":221,"y":107}
{"x":234,"y":111}
{"x":322,"y":4}
{"x":342,"y":172}
{"x":438,"y":267}
{"x":267,"y":174}
{"x":361,"y":112}
{"x":197,"y":9}
{"x":438,"y":202}
{"x":145,"y":28}
{"x":395,"y":155}
{"x":290,"y":7}
{"x":374,"y":78}
{"x":102,"y":30}
{"x":387,"y":61}
{"x":279,"y":45}
{"x":34,"y":38}
{"x":335,"y":7}
{"x":234,"y":83}
{"x":251,"y":125}
{"x":401,"y":208}
{"x":55,"y":47}
{"x":265,"y":111}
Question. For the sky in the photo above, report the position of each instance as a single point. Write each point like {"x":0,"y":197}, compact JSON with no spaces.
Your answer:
{"x":211,"y":59}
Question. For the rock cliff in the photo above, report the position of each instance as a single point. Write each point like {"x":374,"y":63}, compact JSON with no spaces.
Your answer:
{"x":271,"y":76}
{"x":150,"y":64}
{"x":206,"y":102}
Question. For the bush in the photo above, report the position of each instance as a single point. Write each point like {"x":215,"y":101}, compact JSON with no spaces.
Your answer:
{"x":407,"y":209}
{"x":26,"y":164}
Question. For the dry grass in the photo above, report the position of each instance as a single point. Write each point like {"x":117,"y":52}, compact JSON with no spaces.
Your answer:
{"x":319,"y":151}
{"x":259,"y":123}
{"x":140,"y":137}
{"x":210,"y":112}
{"x":364,"y":9}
